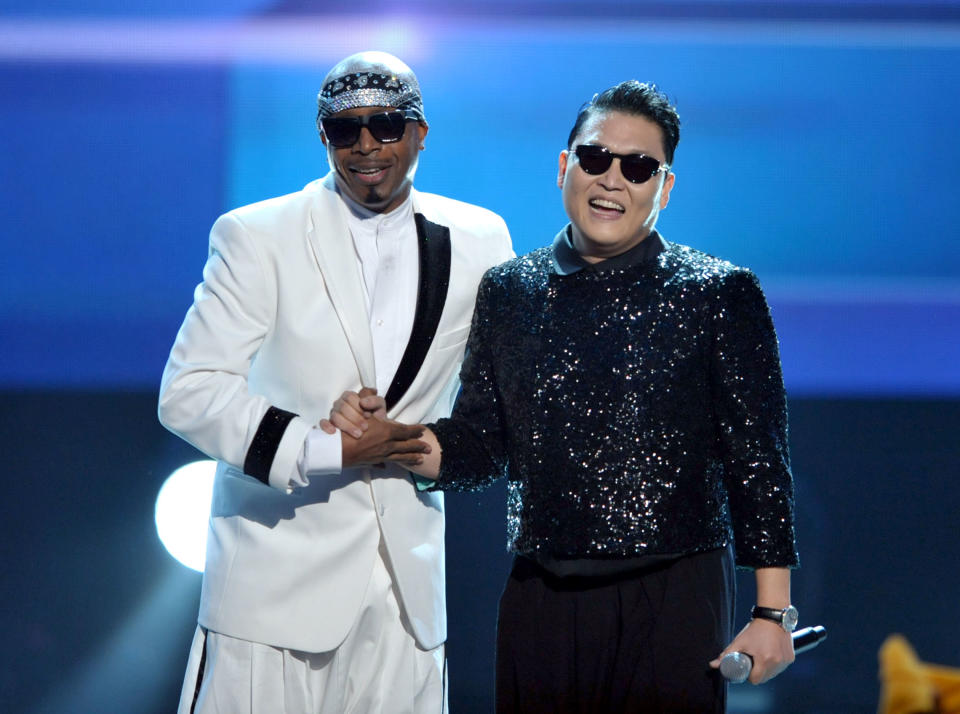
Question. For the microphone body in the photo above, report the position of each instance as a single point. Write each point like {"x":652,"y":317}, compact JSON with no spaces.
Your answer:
{"x":736,"y":666}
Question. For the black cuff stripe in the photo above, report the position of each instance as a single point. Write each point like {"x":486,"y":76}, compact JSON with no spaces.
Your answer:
{"x":265,"y":443}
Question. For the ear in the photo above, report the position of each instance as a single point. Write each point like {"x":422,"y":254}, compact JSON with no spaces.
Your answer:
{"x":323,"y":138}
{"x":422,"y":130}
{"x":562,"y":171}
{"x":667,"y":188}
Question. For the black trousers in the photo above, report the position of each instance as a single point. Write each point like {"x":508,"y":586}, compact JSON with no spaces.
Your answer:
{"x":636,"y":642}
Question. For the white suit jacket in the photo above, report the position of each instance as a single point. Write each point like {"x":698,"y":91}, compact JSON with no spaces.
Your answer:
{"x":277,"y":331}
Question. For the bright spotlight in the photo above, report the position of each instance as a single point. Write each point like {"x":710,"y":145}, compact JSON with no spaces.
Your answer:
{"x":183,"y":510}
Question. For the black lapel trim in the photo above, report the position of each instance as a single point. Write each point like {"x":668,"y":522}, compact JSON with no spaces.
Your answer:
{"x":265,"y":443}
{"x":434,"y":242}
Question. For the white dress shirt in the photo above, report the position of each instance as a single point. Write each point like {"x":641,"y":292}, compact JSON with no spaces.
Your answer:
{"x":388,"y":260}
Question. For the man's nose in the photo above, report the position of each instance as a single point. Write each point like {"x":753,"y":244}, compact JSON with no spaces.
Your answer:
{"x":365,"y":142}
{"x":613,"y":176}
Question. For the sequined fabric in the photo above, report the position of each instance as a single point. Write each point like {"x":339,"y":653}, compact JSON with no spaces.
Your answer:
{"x":635,"y":411}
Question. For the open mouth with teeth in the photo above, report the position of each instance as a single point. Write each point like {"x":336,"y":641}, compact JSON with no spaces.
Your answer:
{"x":605,"y":207}
{"x":369,"y":174}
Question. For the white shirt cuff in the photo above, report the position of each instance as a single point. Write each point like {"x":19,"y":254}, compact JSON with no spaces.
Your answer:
{"x":321,"y":455}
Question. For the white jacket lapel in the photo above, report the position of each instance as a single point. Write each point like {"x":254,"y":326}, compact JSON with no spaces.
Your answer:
{"x":330,"y":238}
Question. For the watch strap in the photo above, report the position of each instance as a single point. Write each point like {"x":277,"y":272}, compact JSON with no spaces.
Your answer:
{"x":767,"y":613}
{"x":786,"y":618}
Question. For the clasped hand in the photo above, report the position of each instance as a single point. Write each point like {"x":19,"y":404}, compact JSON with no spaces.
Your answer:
{"x":769,"y":646}
{"x":367,"y":437}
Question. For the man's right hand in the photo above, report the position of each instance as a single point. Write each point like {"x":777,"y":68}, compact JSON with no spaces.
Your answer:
{"x":384,"y":441}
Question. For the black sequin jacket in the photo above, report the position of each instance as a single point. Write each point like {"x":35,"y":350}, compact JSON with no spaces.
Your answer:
{"x":635,"y":411}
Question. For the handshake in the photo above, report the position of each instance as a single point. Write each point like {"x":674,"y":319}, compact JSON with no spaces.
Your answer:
{"x":368,"y":438}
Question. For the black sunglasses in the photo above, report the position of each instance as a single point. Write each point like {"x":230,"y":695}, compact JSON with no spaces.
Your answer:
{"x":385,"y":127}
{"x":636,"y":168}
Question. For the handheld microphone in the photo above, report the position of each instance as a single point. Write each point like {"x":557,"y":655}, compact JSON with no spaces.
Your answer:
{"x":736,"y":666}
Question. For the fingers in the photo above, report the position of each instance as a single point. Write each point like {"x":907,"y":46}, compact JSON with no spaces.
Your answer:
{"x":765,"y":670}
{"x":769,"y":647}
{"x":384,"y":441}
{"x":352,"y":411}
{"x":375,"y":405}
{"x":408,"y":459}
{"x":345,"y":424}
{"x":348,"y":400}
{"x":410,"y":446}
{"x":348,"y":416}
{"x":732,"y":647}
{"x":327,"y":426}
{"x":404,"y":432}
{"x":400,"y":442}
{"x":768,"y":662}
{"x":405,"y":446}
{"x":408,"y":453}
{"x":715,"y":663}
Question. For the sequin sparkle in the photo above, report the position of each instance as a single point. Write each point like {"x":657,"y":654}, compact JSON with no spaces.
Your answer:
{"x":635,"y":411}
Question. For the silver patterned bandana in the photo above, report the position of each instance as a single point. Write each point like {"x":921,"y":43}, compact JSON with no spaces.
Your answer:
{"x":371,"y":79}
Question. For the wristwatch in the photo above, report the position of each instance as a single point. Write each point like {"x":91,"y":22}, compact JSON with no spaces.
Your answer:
{"x":787,"y":617}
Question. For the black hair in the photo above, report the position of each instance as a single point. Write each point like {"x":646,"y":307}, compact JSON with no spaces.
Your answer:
{"x":640,"y":99}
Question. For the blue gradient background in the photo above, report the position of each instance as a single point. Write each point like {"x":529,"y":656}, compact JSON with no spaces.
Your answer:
{"x":818,"y":148}
{"x":821,"y":155}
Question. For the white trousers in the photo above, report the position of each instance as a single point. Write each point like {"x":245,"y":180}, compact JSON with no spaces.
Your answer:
{"x":378,"y":669}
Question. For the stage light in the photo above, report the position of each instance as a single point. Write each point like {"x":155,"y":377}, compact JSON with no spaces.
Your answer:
{"x":182,"y":512}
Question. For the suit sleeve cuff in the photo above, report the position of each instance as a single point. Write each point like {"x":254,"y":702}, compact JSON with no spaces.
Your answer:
{"x":288,"y":453}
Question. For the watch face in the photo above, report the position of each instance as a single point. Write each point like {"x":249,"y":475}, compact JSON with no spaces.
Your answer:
{"x":790,"y":618}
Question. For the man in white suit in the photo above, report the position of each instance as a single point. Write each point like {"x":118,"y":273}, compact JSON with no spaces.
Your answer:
{"x":324,"y":581}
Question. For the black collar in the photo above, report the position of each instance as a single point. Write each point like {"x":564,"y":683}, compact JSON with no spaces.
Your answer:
{"x":566,"y":259}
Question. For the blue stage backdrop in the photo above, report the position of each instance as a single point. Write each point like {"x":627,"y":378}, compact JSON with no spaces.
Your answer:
{"x":820,"y":154}
{"x":818,"y":148}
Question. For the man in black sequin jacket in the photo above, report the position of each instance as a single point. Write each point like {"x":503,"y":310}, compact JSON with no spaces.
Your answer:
{"x":630,"y":391}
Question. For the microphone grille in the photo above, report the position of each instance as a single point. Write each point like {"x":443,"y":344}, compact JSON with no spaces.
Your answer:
{"x":736,"y":667}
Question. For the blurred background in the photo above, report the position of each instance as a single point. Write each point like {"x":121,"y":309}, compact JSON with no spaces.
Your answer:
{"x":819,"y":147}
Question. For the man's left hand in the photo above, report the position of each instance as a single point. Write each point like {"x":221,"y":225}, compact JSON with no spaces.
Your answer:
{"x":768,"y":644}
{"x":352,"y":411}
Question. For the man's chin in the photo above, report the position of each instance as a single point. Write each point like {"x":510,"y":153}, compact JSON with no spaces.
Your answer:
{"x":375,"y":197}
{"x":372,"y":197}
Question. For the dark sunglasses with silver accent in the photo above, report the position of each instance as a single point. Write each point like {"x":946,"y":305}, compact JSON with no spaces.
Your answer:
{"x":636,"y":168}
{"x":385,"y":127}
